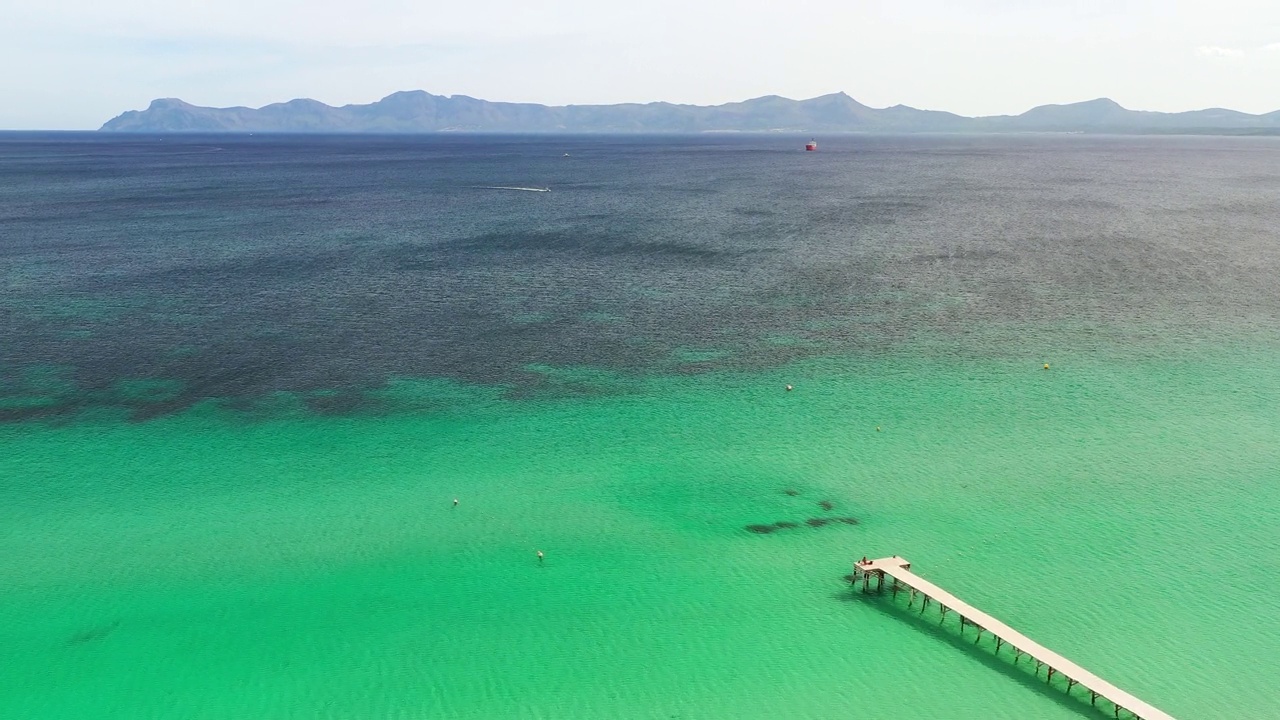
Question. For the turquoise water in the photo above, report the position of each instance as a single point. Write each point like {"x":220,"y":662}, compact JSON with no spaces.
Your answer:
{"x":242,"y":381}
{"x":1122,"y":512}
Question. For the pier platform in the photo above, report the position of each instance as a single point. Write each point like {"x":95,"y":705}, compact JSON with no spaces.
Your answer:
{"x":899,"y":570}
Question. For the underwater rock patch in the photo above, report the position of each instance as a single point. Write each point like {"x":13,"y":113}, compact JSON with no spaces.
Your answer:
{"x":89,"y":635}
{"x":817,"y":522}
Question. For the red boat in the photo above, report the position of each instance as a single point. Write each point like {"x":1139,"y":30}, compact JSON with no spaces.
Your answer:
{"x":811,"y":146}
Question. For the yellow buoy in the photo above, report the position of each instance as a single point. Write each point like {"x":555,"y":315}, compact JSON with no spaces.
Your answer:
{"x":1046,"y":366}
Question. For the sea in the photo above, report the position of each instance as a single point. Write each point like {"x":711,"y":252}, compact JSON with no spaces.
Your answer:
{"x":285,"y":423}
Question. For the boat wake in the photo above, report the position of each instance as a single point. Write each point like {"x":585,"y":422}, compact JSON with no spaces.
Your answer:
{"x":508,"y":187}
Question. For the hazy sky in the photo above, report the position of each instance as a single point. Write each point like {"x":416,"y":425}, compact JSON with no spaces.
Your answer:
{"x":76,"y":63}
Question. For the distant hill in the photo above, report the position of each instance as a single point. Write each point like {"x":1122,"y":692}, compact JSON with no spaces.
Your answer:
{"x":421,"y":112}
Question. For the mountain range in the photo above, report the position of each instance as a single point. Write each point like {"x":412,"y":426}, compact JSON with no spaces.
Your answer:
{"x":417,"y":111}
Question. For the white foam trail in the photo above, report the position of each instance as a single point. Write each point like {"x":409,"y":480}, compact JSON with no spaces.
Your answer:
{"x":505,"y":187}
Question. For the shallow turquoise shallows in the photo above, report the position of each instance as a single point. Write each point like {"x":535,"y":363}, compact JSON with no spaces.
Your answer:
{"x":1121,"y":511}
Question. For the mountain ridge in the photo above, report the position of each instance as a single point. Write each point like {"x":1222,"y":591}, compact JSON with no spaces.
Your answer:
{"x":418,"y":111}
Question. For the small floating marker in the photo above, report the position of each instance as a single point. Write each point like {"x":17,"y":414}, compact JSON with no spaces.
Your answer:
{"x":789,"y":388}
{"x":1046,"y":366}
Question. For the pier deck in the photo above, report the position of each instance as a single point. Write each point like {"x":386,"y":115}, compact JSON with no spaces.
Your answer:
{"x":899,"y":570}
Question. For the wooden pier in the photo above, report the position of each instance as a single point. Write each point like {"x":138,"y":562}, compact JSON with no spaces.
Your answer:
{"x":899,"y":570}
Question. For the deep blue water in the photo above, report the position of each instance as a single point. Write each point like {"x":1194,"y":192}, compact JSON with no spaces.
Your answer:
{"x":234,"y":267}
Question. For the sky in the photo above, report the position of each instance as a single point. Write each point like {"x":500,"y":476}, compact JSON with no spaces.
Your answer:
{"x":74,"y":64}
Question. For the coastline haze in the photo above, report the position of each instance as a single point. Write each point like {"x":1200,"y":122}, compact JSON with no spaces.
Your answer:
{"x":87,"y":62}
{"x":422,"y":112}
